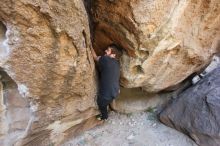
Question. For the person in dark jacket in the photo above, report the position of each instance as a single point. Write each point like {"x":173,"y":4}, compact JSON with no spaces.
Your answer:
{"x":109,"y":69}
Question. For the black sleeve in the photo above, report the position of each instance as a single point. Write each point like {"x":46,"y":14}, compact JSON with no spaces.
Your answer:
{"x":100,"y":63}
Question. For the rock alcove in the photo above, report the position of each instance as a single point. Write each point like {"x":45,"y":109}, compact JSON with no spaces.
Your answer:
{"x":164,"y":43}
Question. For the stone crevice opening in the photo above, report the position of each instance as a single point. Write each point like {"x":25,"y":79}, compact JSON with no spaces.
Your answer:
{"x":102,"y":34}
{"x":14,"y":109}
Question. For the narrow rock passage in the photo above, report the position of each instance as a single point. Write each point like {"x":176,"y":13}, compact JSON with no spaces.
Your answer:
{"x":140,"y":129}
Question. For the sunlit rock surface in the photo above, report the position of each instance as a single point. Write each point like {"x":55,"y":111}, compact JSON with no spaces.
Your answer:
{"x":165,"y":41}
{"x":48,"y":82}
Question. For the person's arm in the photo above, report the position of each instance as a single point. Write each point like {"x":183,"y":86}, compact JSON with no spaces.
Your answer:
{"x":95,"y":57}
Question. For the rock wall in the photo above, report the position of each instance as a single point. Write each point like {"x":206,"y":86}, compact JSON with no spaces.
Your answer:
{"x":196,"y":111}
{"x":165,"y":41}
{"x":44,"y":50}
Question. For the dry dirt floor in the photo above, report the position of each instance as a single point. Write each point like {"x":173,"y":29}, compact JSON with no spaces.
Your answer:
{"x":138,"y":129}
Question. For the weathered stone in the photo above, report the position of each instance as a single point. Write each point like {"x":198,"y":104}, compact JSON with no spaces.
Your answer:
{"x":131,"y":100}
{"x":44,"y":52}
{"x":136,"y":100}
{"x":196,"y":111}
{"x":165,"y":41}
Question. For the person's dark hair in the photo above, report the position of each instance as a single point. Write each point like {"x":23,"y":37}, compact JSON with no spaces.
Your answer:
{"x":116,"y":50}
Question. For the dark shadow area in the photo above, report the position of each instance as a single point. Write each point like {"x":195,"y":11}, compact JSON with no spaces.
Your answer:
{"x":2,"y":31}
{"x":88,"y":6}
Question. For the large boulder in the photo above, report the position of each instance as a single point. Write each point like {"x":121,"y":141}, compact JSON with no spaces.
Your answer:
{"x":165,"y":41}
{"x":47,"y":85}
{"x":196,"y":111}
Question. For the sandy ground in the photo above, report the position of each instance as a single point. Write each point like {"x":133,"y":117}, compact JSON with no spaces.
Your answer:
{"x":140,"y":129}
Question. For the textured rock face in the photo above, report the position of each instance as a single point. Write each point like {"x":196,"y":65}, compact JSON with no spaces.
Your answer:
{"x":196,"y":111}
{"x":165,"y":41}
{"x":48,"y":77}
{"x":136,"y":100}
{"x":131,"y":100}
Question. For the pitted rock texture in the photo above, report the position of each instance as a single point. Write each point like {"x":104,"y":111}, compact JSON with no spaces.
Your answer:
{"x":195,"y":112}
{"x":45,"y":50}
{"x":165,"y":41}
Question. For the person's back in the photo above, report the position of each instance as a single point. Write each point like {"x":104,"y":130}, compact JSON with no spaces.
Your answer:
{"x":109,"y":77}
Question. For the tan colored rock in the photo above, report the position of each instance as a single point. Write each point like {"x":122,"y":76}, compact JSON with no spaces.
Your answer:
{"x":48,"y":72}
{"x":132,"y":100}
{"x":136,"y":100}
{"x":165,"y":41}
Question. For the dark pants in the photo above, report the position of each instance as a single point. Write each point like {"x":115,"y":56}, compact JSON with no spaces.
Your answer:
{"x":103,"y":106}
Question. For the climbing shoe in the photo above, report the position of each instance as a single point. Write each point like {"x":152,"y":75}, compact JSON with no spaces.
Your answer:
{"x":99,"y":118}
